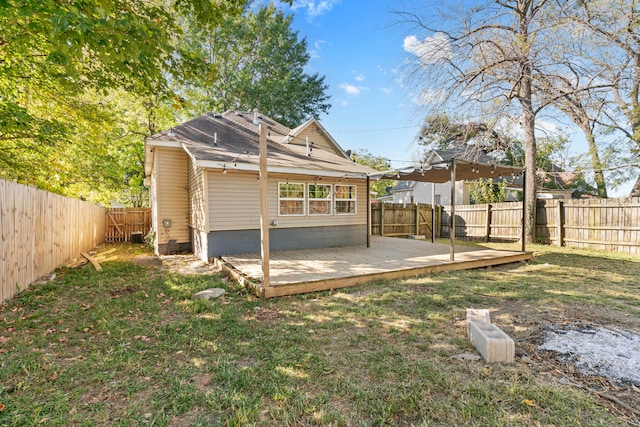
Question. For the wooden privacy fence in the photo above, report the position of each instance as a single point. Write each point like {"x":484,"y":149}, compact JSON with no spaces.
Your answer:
{"x":607,"y":224}
{"x":41,"y":231}
{"x":127,"y":224}
{"x":604,"y":224}
{"x":397,"y":219}
{"x":496,"y":221}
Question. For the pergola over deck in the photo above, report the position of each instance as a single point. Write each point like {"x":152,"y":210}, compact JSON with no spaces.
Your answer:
{"x":451,"y":171}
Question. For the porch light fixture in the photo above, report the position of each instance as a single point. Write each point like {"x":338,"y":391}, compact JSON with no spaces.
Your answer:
{"x":224,"y":169}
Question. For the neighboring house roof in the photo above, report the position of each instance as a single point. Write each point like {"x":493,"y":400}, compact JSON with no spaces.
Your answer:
{"x":403,"y":186}
{"x":635,"y":191}
{"x":463,"y":152}
{"x":231,"y":141}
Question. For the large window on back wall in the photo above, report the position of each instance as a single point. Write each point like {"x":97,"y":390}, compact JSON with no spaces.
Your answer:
{"x":291,"y":198}
{"x":319,"y":198}
{"x":345,"y":199}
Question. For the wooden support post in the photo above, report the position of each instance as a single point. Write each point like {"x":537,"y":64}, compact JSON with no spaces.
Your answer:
{"x":487,"y":226}
{"x":264,"y":207}
{"x":417,"y":233}
{"x":452,"y":220}
{"x":382,"y":219}
{"x":560,"y":221}
{"x":433,"y":211}
{"x":524,"y":212}
{"x":368,"y":213}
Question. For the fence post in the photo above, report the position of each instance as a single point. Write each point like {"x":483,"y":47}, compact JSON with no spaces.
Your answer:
{"x":560,"y":221}
{"x":487,"y":230}
{"x":417,"y":233}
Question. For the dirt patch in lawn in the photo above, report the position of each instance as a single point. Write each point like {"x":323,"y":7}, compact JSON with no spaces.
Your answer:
{"x":532,"y":327}
{"x":185,"y":264}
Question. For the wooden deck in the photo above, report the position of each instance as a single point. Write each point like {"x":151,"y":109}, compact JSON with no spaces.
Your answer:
{"x":311,"y":270}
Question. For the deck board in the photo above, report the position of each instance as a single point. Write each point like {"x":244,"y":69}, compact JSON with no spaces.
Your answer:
{"x":308,"y":270}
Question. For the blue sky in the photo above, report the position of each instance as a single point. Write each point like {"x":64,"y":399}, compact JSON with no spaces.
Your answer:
{"x":358,"y":47}
{"x":358,"y":50}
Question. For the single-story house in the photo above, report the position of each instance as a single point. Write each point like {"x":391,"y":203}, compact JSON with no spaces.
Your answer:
{"x":203,"y":177}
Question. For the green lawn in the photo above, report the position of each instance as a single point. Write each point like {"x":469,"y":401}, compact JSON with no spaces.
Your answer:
{"x":127,"y":346}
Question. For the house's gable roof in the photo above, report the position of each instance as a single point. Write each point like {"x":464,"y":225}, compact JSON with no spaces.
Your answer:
{"x":313,"y":126}
{"x":230,"y":141}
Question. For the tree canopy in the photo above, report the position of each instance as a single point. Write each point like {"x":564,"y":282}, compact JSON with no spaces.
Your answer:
{"x":83,"y":83}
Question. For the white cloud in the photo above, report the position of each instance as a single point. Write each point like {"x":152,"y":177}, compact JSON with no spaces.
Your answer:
{"x":429,"y":97}
{"x":431,"y":50}
{"x":313,"y":7}
{"x":315,"y":53}
{"x":387,"y":90}
{"x":359,"y":77}
{"x":351,"y":89}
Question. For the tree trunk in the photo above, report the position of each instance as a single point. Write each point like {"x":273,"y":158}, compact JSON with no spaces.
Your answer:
{"x":596,"y":163}
{"x":525,"y":96}
{"x":528,"y":123}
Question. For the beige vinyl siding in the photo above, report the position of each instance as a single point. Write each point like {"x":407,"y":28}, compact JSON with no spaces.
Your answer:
{"x":234,"y":202}
{"x":172,"y":194}
{"x":153,"y":201}
{"x":197,"y":197}
{"x":320,"y":141}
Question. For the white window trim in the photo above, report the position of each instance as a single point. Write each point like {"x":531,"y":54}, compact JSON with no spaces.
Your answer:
{"x":354,"y":200}
{"x":303,"y":199}
{"x":329,"y":199}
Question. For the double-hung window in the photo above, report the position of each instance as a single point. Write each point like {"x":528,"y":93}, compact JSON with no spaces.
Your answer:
{"x":291,"y":198}
{"x":345,"y":199}
{"x":319,"y":199}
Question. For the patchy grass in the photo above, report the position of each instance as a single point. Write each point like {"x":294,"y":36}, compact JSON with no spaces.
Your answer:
{"x":127,"y":346}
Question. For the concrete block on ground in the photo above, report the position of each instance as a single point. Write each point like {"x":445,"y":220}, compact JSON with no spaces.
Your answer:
{"x":478,"y":315}
{"x":491,"y":342}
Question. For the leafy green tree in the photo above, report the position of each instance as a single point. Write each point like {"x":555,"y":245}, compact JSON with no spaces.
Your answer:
{"x":252,"y":61}
{"x":379,"y":163}
{"x":488,"y":191}
{"x":82,"y":84}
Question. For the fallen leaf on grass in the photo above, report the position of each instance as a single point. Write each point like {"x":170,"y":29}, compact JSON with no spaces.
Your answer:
{"x":63,"y":339}
{"x":86,"y":307}
{"x":49,"y":331}
{"x":530,"y":402}
{"x":1,"y":407}
{"x":4,"y":340}
{"x":54,"y":376}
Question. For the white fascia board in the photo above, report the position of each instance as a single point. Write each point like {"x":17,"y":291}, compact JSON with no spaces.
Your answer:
{"x":169,"y":144}
{"x":248,"y":167}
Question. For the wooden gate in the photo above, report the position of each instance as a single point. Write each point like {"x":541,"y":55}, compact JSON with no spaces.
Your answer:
{"x":127,"y":224}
